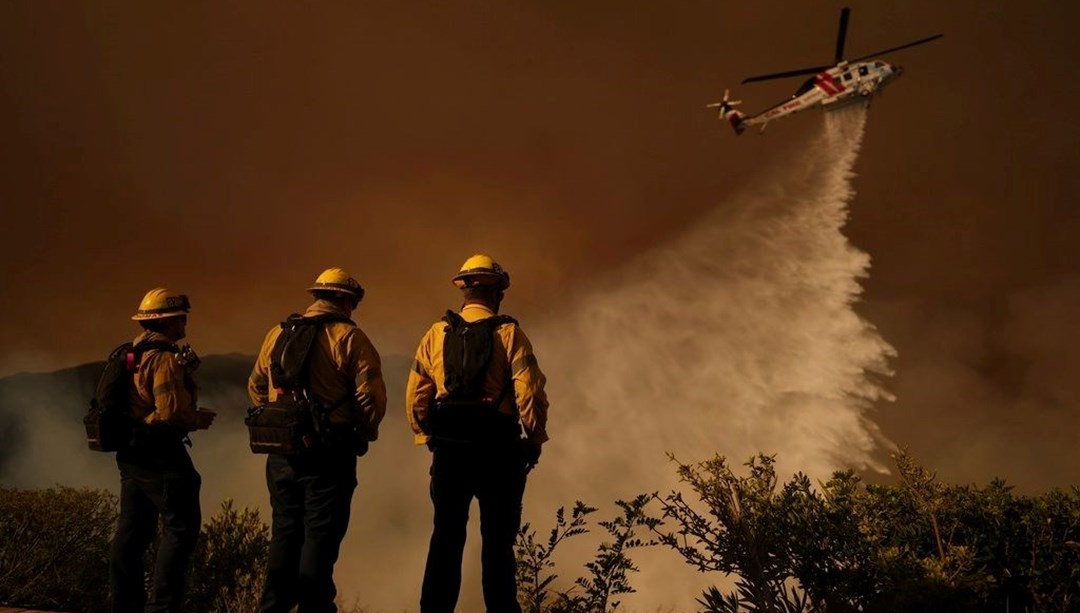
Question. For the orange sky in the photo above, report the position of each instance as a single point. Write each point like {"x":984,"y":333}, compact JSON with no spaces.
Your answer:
{"x":233,"y":152}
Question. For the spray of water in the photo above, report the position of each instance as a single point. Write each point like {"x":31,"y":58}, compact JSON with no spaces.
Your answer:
{"x":737,"y":337}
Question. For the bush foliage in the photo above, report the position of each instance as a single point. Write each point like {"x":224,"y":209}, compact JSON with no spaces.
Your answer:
{"x":919,"y":545}
{"x":54,"y":548}
{"x":608,"y":572}
{"x":229,"y":563}
{"x":54,"y":553}
{"x":791,"y":547}
{"x":840,"y":546}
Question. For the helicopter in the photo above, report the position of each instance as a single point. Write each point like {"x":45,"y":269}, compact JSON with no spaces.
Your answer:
{"x":832,"y":86}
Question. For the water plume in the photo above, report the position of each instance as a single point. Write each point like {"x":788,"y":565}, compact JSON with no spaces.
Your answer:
{"x":736,"y":337}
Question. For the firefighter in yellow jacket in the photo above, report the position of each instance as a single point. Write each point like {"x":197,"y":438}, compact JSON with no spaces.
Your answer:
{"x":475,"y":397}
{"x":157,"y":477}
{"x":311,"y":492}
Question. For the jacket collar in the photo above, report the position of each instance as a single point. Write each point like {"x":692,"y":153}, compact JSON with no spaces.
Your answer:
{"x":475,"y":311}
{"x":151,"y":336}
{"x":324,"y":307}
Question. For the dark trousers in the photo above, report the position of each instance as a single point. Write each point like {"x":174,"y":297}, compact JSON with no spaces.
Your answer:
{"x":156,"y":480}
{"x":311,"y":495}
{"x":495,"y":475}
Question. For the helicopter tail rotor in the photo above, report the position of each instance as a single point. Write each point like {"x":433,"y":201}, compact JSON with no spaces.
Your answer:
{"x":726,"y":110}
{"x":725,"y":105}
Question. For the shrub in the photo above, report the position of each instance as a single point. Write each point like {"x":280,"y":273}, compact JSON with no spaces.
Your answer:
{"x":608,"y":572}
{"x":919,"y":545}
{"x":54,"y":553}
{"x":228,"y":566}
{"x":54,"y":548}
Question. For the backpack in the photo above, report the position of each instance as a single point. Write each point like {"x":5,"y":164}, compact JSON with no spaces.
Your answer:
{"x":295,"y":421}
{"x":465,"y":414}
{"x":467,"y":354}
{"x":109,"y":423}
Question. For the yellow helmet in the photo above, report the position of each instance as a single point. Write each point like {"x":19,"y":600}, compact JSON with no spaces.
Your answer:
{"x":480,"y":269}
{"x":160,"y":303}
{"x":337,"y":280}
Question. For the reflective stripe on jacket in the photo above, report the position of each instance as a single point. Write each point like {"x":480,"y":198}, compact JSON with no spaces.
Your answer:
{"x":344,"y":372}
{"x":512,"y":360}
{"x":162,"y":391}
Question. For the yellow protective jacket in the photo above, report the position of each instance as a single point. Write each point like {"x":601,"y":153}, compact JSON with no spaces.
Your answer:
{"x":344,"y":372}
{"x":512,"y":363}
{"x":162,"y":391}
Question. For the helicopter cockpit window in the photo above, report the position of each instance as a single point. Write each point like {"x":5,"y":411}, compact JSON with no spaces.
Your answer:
{"x":863,"y":71}
{"x":805,"y":87}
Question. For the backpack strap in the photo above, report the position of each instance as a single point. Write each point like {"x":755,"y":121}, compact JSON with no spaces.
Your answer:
{"x":508,"y":385}
{"x":455,"y":320}
{"x":323,"y":320}
{"x":290,"y":358}
{"x":291,"y":354}
{"x":134,"y":352}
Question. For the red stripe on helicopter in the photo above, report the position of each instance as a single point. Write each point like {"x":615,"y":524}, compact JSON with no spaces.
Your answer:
{"x":826,"y":82}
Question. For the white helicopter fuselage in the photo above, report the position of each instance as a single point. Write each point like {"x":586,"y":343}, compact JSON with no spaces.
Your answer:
{"x":838,"y":86}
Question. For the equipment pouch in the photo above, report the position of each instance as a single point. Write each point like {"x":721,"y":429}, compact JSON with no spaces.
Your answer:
{"x":282,"y":427}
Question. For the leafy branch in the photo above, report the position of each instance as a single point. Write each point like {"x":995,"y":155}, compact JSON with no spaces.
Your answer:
{"x":608,"y":573}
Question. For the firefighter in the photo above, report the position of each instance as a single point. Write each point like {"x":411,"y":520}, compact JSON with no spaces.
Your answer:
{"x":311,"y":492}
{"x":475,"y":396}
{"x":157,"y":478}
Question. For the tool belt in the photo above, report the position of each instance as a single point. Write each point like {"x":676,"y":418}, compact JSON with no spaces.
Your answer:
{"x":471,"y":422}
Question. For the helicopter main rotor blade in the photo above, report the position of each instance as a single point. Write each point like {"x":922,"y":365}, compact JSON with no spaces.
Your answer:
{"x":918,"y":42}
{"x":783,"y":75}
{"x":842,"y":35}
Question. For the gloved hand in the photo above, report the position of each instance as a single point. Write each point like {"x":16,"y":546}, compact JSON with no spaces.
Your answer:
{"x":361,"y":447}
{"x":204,"y":418}
{"x":532,"y":454}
